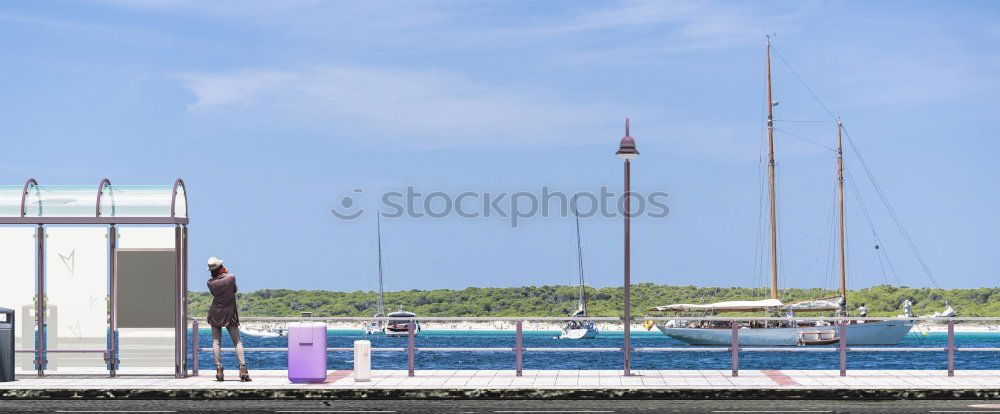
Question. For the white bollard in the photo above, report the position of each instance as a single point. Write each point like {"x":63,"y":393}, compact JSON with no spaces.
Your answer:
{"x":362,"y":361}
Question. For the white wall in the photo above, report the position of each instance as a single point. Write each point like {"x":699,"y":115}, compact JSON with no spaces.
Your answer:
{"x":17,"y":274}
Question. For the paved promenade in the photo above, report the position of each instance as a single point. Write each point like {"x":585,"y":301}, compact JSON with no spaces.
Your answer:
{"x":533,"y":384}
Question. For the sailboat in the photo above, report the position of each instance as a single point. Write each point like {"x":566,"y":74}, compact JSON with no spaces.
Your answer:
{"x":777,"y":333}
{"x":375,"y":326}
{"x":579,"y":329}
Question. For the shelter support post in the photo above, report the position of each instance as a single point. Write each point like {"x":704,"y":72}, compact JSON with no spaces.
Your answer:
{"x":951,"y":348}
{"x":184,"y":295}
{"x":735,"y":349}
{"x":112,"y":301}
{"x":843,"y":348}
{"x":519,"y":349}
{"x":40,"y":300}
{"x":179,"y":347}
{"x":410,"y":347}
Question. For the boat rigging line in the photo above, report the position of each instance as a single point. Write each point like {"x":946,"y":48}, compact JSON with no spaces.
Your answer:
{"x":864,"y":165}
{"x":806,"y":139}
{"x":803,"y":82}
{"x":879,"y":246}
{"x":892,"y":212}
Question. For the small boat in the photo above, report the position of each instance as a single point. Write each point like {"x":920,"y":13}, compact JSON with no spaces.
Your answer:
{"x":373,"y":327}
{"x":264,"y":330}
{"x":401,"y":328}
{"x":376,"y":325}
{"x":818,"y":338}
{"x":577,"y":329}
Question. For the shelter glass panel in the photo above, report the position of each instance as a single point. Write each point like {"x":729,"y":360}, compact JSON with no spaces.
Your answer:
{"x":76,"y":269}
{"x":137,"y":201}
{"x":10,"y":200}
{"x":61,"y":201}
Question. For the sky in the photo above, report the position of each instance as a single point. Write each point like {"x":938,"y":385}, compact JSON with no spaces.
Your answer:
{"x":274,"y":112}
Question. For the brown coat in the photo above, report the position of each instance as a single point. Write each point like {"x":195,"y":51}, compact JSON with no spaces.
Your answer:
{"x":223,"y":313}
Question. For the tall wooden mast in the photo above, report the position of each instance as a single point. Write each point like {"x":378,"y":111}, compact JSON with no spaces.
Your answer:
{"x":770,"y":173}
{"x":840,"y":193}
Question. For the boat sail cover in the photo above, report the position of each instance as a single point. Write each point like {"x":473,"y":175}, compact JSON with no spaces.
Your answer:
{"x":730,"y":306}
{"x":828,"y":304}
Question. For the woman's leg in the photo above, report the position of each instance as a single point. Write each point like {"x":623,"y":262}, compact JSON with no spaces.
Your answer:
{"x":234,"y":333}
{"x":217,"y":346}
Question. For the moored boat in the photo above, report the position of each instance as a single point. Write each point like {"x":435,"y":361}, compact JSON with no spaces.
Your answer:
{"x":264,"y":330}
{"x":788,"y":332}
{"x":579,"y":329}
{"x":377,"y":325}
{"x":401,"y":328}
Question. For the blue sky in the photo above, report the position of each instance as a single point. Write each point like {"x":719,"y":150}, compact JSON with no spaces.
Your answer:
{"x":273,"y":112}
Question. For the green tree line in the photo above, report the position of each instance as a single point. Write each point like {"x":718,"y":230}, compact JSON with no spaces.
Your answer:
{"x":881,"y":300}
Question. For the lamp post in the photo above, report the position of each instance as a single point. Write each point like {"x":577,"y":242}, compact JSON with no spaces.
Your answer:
{"x":627,"y":152}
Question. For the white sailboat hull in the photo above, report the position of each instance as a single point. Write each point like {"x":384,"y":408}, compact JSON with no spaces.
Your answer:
{"x":888,"y":332}
{"x":579,"y":333}
{"x":262,"y":333}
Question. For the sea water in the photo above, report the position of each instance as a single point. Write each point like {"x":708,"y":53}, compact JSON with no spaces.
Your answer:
{"x":605,"y":360}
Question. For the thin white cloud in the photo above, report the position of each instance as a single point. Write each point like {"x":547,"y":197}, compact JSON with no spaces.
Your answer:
{"x":408,"y":108}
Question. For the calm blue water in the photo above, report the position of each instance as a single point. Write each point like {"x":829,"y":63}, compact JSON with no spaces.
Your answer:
{"x":606,"y":360}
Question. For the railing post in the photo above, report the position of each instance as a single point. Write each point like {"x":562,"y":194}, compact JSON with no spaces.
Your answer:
{"x":410,"y":348}
{"x":843,"y":348}
{"x":736,"y":349}
{"x":951,"y":348}
{"x":195,"y":344}
{"x":518,"y":349}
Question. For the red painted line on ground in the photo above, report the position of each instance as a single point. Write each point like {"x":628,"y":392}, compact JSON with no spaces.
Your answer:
{"x":338,"y":374}
{"x":780,"y":378}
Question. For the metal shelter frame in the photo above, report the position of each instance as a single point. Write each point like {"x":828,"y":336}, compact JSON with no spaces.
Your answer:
{"x":180,"y":224}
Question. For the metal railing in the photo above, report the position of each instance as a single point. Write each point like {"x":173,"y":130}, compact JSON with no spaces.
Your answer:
{"x":734,"y":348}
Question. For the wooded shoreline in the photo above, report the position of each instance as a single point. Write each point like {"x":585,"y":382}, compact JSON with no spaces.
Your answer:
{"x":560,"y":300}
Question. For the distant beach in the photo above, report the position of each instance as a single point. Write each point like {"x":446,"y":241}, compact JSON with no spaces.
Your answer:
{"x":607,"y":327}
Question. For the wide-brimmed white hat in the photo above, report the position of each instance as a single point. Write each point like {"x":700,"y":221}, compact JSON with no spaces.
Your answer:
{"x":214,"y":263}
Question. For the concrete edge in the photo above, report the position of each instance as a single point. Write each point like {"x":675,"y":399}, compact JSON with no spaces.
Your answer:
{"x":501,"y":394}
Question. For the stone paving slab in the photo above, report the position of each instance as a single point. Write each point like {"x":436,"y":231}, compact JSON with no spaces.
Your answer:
{"x":532,"y":384}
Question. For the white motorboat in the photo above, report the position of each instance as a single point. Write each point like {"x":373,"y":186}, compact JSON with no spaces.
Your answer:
{"x":579,"y":329}
{"x":401,"y":328}
{"x":264,"y":330}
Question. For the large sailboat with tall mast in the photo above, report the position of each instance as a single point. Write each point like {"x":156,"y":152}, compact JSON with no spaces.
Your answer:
{"x":776,"y":333}
{"x":577,"y":329}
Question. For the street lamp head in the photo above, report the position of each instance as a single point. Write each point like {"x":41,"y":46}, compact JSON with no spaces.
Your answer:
{"x":626,"y":149}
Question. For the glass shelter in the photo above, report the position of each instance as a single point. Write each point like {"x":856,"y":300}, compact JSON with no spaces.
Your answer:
{"x":97,"y":276}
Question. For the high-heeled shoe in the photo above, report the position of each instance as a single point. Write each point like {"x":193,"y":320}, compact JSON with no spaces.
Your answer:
{"x":244,"y":374}
{"x":219,"y":374}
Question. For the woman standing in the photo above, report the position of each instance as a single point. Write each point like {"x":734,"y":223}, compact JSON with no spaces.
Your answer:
{"x":222,"y":314}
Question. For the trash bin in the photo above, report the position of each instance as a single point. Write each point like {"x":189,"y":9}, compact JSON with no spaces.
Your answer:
{"x":307,"y":352}
{"x":362,"y":361}
{"x":6,"y":345}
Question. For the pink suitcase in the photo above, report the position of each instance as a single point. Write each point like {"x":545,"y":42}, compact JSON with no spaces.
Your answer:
{"x":307,"y":352}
